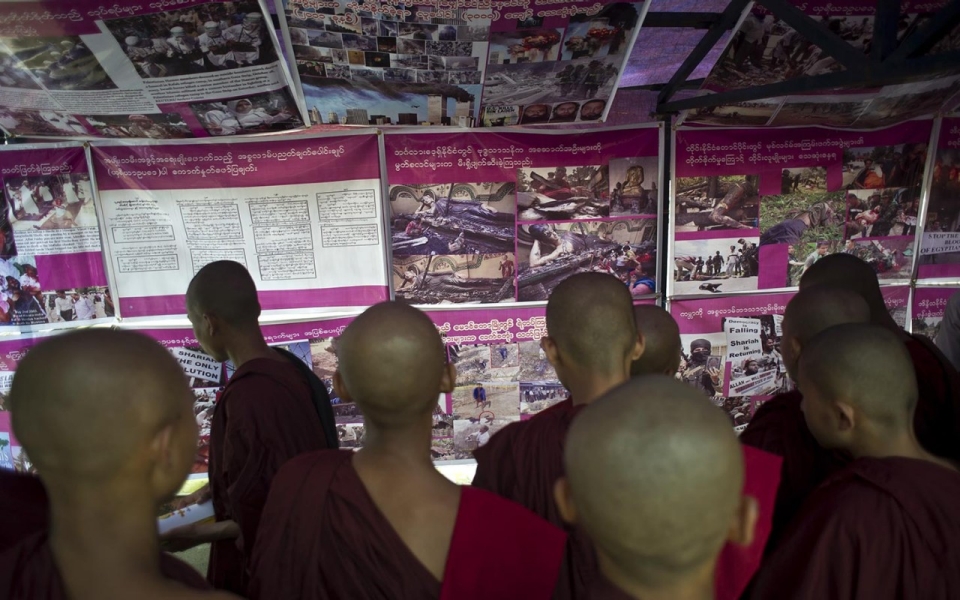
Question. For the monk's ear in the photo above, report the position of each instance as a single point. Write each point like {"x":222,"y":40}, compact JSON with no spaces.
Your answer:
{"x":744,"y":522}
{"x":550,"y":349}
{"x":564,"y":499}
{"x":845,"y":415}
{"x":639,"y":345}
{"x":448,"y":378}
{"x":339,"y":388}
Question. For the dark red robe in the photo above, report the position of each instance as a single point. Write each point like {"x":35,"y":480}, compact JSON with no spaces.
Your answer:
{"x":522,"y":462}
{"x":779,"y":427}
{"x":323,"y":538}
{"x":28,"y":571}
{"x":23,"y":507}
{"x":602,"y":589}
{"x":264,"y":417}
{"x":880,"y":528}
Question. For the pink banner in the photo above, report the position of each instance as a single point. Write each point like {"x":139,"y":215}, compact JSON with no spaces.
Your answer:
{"x":495,"y":217}
{"x":754,"y":209}
{"x":236,"y":164}
{"x":940,"y":247}
{"x":51,"y":261}
{"x":929,"y":306}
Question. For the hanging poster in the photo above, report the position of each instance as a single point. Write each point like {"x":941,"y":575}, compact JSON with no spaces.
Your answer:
{"x":303,"y":215}
{"x":502,"y":217}
{"x":80,"y":69}
{"x":755,"y":209}
{"x":766,"y":50}
{"x":940,"y":248}
{"x":929,"y":306}
{"x":459,"y":63}
{"x":51,"y":262}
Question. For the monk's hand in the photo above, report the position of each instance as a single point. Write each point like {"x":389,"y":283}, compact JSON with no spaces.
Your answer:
{"x":181,"y":538}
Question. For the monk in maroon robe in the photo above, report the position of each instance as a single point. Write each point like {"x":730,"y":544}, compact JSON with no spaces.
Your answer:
{"x":591,"y":342}
{"x":265,"y":416}
{"x":655,"y":477}
{"x":778,"y":426}
{"x":383,"y":523}
{"x":23,"y":507}
{"x":887,"y":524}
{"x":112,"y":436}
{"x":737,"y":564}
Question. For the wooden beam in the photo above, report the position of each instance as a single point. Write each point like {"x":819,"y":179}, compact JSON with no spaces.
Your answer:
{"x":691,"y":20}
{"x":730,"y":17}
{"x":929,"y":34}
{"x":874,"y":76}
{"x":818,"y":34}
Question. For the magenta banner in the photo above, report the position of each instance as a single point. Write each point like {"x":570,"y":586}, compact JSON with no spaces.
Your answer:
{"x":754,"y":209}
{"x":498,"y":217}
{"x":929,"y":306}
{"x":12,"y":352}
{"x":940,"y":247}
{"x":303,"y":215}
{"x":134,"y":70}
{"x":51,"y":263}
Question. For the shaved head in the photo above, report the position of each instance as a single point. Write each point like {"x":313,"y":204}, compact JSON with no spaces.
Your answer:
{"x":661,"y":337}
{"x":864,"y":366}
{"x":817,"y":308}
{"x":590,"y":318}
{"x":225,"y":289}
{"x":847,"y":272}
{"x":391,"y":361}
{"x":656,"y":475}
{"x":97,"y":415}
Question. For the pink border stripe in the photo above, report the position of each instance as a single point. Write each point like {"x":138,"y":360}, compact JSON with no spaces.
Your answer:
{"x":150,"y":306}
{"x":939,"y":271}
{"x":66,"y":271}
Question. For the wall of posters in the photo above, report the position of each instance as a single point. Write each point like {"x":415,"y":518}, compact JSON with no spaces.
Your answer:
{"x":929,"y":306}
{"x":202,"y":69}
{"x":755,"y":208}
{"x":12,"y":351}
{"x":50,"y":255}
{"x":503,"y":217}
{"x":303,"y":214}
{"x":406,"y":64}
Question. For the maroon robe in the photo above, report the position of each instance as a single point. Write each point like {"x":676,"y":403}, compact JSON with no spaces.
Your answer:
{"x":264,"y":417}
{"x":322,"y":537}
{"x":779,"y":427}
{"x":522,"y":462}
{"x":880,"y":528}
{"x":23,"y":507}
{"x":603,"y":589}
{"x":28,"y":571}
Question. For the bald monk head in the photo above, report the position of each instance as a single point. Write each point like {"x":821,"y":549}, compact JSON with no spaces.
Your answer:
{"x":859,"y":390}
{"x":393,"y":365}
{"x":847,"y":272}
{"x":655,"y":477}
{"x":223,"y":308}
{"x":813,"y":310}
{"x":661,"y":342}
{"x":113,"y":436}
{"x":591,"y":334}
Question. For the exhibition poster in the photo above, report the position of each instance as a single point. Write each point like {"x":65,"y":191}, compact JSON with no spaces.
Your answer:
{"x":158,"y":70}
{"x":489,"y":217}
{"x":940,"y":247}
{"x":302,"y":214}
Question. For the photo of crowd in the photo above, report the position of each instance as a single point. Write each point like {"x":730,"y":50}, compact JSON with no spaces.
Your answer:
{"x":884,"y":166}
{"x":78,"y":304}
{"x":538,"y":396}
{"x":716,"y":202}
{"x":49,"y":202}
{"x":562,"y":193}
{"x":40,"y":122}
{"x":548,"y":253}
{"x":164,"y":126}
{"x":59,"y":63}
{"x":739,"y":408}
{"x":207,"y":38}
{"x":753,"y":353}
{"x":253,"y":113}
{"x":716,"y":266}
{"x":21,"y":293}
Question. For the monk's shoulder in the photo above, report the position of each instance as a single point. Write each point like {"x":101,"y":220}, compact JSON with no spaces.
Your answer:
{"x":263,"y":379}
{"x":310,"y":465}
{"x":175,"y":569}
{"x":515,"y":520}
{"x":774,"y":419}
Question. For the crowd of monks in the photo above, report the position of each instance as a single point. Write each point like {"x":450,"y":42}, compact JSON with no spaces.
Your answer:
{"x":634,"y":487}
